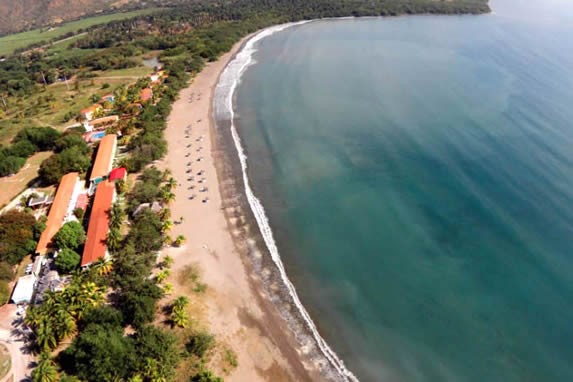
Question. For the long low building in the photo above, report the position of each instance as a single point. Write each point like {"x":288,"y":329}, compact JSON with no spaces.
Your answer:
{"x":24,"y":290}
{"x":95,"y":247}
{"x":62,"y":207}
{"x":104,"y":159}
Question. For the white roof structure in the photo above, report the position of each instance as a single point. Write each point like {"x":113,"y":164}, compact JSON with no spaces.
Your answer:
{"x":24,"y":289}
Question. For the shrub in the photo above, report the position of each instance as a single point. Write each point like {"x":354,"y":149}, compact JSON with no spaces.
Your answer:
{"x":41,"y":137}
{"x":205,"y":376}
{"x":199,"y":343}
{"x":11,"y":165}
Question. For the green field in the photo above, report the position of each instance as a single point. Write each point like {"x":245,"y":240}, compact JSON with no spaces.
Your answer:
{"x":20,"y":40}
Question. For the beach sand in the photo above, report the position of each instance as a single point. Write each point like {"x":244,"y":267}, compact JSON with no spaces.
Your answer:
{"x":234,"y":306}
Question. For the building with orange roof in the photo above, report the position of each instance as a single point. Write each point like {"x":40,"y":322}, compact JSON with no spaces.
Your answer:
{"x":88,"y":113}
{"x":101,"y":123}
{"x":61,"y":209}
{"x":104,"y":159}
{"x":95,"y":247}
{"x":146,"y":95}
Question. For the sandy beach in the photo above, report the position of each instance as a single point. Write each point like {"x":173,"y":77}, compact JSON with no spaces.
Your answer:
{"x":234,"y":307}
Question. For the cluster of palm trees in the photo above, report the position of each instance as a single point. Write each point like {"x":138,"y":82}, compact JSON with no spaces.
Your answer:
{"x":56,"y":319}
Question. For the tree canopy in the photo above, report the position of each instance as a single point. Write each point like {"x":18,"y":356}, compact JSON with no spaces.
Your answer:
{"x":71,"y":236}
{"x":67,"y":260}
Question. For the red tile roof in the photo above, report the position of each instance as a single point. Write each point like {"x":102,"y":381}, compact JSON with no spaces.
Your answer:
{"x":118,"y":173}
{"x":95,"y":247}
{"x":146,"y":94}
{"x":104,"y":159}
{"x":57,"y":211}
{"x":91,"y":109}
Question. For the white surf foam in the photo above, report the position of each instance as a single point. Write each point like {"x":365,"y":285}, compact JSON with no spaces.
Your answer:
{"x":223,"y":111}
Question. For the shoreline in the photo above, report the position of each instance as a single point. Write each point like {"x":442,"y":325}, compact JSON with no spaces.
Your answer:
{"x":263,"y":253}
{"x":235,"y":307}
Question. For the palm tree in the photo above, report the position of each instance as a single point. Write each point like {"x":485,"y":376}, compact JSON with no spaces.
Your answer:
{"x":167,"y":288}
{"x":46,"y":370}
{"x":103,"y":267}
{"x":180,"y":240}
{"x":167,"y":196}
{"x":92,"y":294}
{"x":165,"y":214}
{"x":46,"y":336}
{"x":167,"y":262}
{"x":117,"y":216}
{"x":113,"y":239}
{"x":166,"y":175}
{"x":162,"y":275}
{"x":166,"y":226}
{"x":181,"y":302}
{"x":33,"y":317}
{"x":171,"y":183}
{"x":179,"y":318}
{"x":167,"y":240}
{"x":64,"y":324}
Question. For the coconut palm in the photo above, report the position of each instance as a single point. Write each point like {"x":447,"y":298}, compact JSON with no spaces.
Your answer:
{"x":165,"y":214}
{"x":167,"y":262}
{"x":167,"y":288}
{"x":162,"y":275}
{"x":113,"y":239}
{"x":180,"y":240}
{"x":166,"y":175}
{"x":167,"y":196}
{"x":167,"y":240}
{"x":103,"y":267}
{"x":64,"y":324}
{"x":166,"y":226}
{"x":181,"y":302}
{"x":171,"y":183}
{"x":117,"y":216}
{"x":179,"y":317}
{"x":33,"y":317}
{"x":92,"y":293}
{"x":46,"y":336}
{"x":46,"y":370}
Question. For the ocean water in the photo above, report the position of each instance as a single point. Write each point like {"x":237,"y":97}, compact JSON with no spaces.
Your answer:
{"x":417,"y":174}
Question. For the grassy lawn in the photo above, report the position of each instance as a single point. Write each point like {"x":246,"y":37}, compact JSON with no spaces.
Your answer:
{"x":48,"y":106}
{"x":5,"y":361}
{"x":20,"y":40}
{"x":14,"y":185}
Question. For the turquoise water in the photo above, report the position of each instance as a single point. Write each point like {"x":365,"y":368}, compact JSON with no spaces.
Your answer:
{"x":418,"y":176}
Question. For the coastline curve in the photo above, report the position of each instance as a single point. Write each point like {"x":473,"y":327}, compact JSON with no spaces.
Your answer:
{"x":223,"y":111}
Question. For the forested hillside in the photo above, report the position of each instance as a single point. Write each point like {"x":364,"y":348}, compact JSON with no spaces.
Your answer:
{"x":19,"y":15}
{"x":22,"y":15}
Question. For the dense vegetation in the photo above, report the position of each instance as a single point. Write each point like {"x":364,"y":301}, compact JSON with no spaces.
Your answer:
{"x":19,"y":232}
